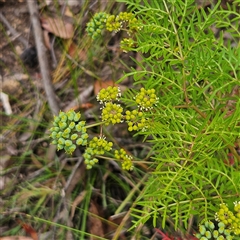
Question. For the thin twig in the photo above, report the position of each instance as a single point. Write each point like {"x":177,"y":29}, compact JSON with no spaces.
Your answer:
{"x":13,"y":31}
{"x":42,"y":57}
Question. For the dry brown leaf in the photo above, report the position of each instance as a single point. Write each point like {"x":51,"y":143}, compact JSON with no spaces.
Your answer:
{"x":113,"y":223}
{"x":95,"y":223}
{"x":46,"y":39}
{"x":30,"y":230}
{"x":98,"y":85}
{"x":74,"y":52}
{"x":58,"y":27}
{"x":68,"y":12}
{"x":77,"y":200}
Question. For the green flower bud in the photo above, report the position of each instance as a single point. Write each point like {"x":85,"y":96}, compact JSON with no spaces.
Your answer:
{"x":227,"y":232}
{"x":71,"y":149}
{"x":198,"y":235}
{"x":79,"y":141}
{"x":70,"y":115}
{"x":211,"y":225}
{"x":59,"y":135}
{"x":61,"y":114}
{"x":77,"y":117}
{"x":57,"y":119}
{"x":53,"y":134}
{"x":62,"y":125}
{"x":208,"y":234}
{"x":84,"y":136}
{"x":89,"y":166}
{"x":67,"y":131}
{"x":54,"y":142}
{"x":60,"y":147}
{"x":202,"y":229}
{"x":61,"y":141}
{"x":215,"y":233}
{"x":74,"y":136}
{"x":68,"y":143}
{"x":221,"y":229}
{"x":221,"y":224}
{"x":71,"y":125}
{"x":64,"y":118}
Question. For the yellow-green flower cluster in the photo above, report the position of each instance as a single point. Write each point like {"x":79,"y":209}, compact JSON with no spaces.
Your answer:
{"x":209,"y":231}
{"x":109,"y":94}
{"x":127,"y":43}
{"x":68,"y":132}
{"x":230,"y":219}
{"x":97,"y":24}
{"x":125,"y":21}
{"x":97,"y":146}
{"x":126,"y":159}
{"x":111,"y":112}
{"x":136,"y":120}
{"x":146,"y":99}
{"x":100,"y":145}
{"x":112,"y":24}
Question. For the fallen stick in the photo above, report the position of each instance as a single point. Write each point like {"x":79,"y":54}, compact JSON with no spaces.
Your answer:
{"x":42,"y":57}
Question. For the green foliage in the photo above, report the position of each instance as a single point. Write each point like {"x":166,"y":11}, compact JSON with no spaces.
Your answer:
{"x":188,"y":108}
{"x":195,"y":74}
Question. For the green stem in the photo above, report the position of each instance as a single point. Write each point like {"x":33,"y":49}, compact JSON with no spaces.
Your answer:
{"x":95,"y":124}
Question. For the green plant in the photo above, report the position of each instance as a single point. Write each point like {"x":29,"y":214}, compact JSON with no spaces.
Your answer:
{"x":195,"y":75}
{"x":195,"y":119}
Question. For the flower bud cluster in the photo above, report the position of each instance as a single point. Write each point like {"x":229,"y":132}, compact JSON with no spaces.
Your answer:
{"x":97,"y":146}
{"x":230,"y":219}
{"x":123,"y":21}
{"x":146,"y":99}
{"x":209,"y":231}
{"x":126,"y":159}
{"x":97,"y":24}
{"x":109,"y":94}
{"x":136,"y":120}
{"x":68,"y":132}
{"x":127,"y":43}
{"x":111,"y":112}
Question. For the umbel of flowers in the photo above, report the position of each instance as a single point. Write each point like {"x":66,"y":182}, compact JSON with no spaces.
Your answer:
{"x":228,"y":224}
{"x":208,"y":230}
{"x":114,"y":23}
{"x":145,"y":100}
{"x":69,"y":131}
{"x":97,"y":146}
{"x":229,"y":218}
